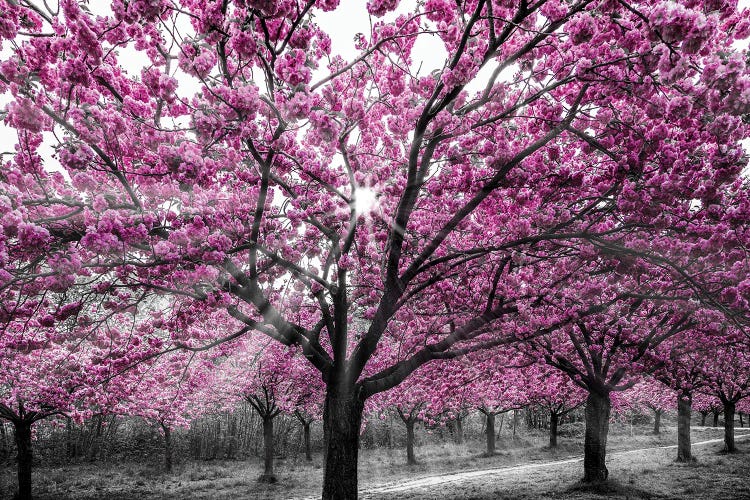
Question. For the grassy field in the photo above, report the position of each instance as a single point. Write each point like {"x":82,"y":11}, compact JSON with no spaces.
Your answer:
{"x":636,"y":475}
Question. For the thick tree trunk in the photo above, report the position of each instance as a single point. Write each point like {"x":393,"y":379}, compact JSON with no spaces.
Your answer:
{"x":490,"y":433}
{"x":595,"y":443}
{"x":729,"y":408}
{"x":23,"y":445}
{"x":306,"y":431}
{"x":410,"y":442}
{"x":684,"y":409}
{"x":703,"y":418}
{"x":554,"y":419}
{"x":716,"y":419}
{"x":268,"y":475}
{"x":342,"y":417}
{"x":167,"y":448}
{"x":657,"y":421}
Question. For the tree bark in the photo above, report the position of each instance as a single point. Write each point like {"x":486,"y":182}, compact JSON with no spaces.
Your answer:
{"x":490,"y":433}
{"x":742,"y":424}
{"x":657,"y":421}
{"x":167,"y":448}
{"x":729,"y":408}
{"x":684,"y":410}
{"x":342,"y":417}
{"x":703,"y":418}
{"x":459,"y":430}
{"x":306,"y":431}
{"x":554,"y":419}
{"x":22,"y":430}
{"x":268,"y":475}
{"x":716,"y":419}
{"x":595,"y":444}
{"x":410,"y":442}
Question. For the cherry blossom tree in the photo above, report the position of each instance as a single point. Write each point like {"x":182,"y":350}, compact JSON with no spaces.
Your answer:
{"x":423,"y":399}
{"x":728,"y":379}
{"x":273,"y":380}
{"x":228,"y":166}
{"x":54,"y":364}
{"x":171,"y":391}
{"x":554,"y":392}
{"x":679,"y":366}
{"x":650,"y":395}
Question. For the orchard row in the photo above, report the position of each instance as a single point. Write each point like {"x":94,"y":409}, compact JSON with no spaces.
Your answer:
{"x":473,"y":199}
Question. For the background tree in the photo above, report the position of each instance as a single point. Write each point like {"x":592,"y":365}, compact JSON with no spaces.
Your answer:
{"x":555,"y":393}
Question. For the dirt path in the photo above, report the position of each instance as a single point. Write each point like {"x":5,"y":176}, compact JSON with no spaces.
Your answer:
{"x":467,"y":476}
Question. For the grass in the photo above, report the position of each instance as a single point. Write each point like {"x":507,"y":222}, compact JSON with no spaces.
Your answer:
{"x":633,"y":476}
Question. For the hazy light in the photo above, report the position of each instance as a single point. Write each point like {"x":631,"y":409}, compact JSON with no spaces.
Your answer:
{"x":365,"y":200}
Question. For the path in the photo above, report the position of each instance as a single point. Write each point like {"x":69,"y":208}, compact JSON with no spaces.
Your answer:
{"x":432,"y":481}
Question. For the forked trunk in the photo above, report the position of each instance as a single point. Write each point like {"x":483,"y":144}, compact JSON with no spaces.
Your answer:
{"x":23,"y":444}
{"x":657,"y":421}
{"x":342,"y":417}
{"x":729,"y":408}
{"x":410,"y":442}
{"x":268,"y":475}
{"x":595,"y":443}
{"x":490,"y":433}
{"x":684,"y":409}
{"x":306,"y":430}
{"x":554,"y":419}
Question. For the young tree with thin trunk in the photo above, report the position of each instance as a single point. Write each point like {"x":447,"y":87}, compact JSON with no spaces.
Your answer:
{"x":555,"y":393}
{"x":728,"y":379}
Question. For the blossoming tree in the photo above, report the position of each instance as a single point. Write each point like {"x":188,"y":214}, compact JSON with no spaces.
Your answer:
{"x":228,"y":160}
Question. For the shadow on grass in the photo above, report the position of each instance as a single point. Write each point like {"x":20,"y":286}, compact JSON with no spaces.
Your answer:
{"x":612,"y":488}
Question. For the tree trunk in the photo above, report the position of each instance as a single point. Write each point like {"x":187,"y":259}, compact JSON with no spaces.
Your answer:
{"x":554,"y":419}
{"x":167,"y":448}
{"x":410,"y":442}
{"x":716,"y":419}
{"x":657,"y":421}
{"x":459,"y":430}
{"x":3,"y":436}
{"x":742,"y":424}
{"x":94,"y":450}
{"x":342,"y":417}
{"x":684,"y":404}
{"x":23,"y":444}
{"x":306,"y":431}
{"x":69,"y":442}
{"x":703,"y":418}
{"x":490,"y":433}
{"x":595,"y":444}
{"x":267,"y":476}
{"x":729,"y":445}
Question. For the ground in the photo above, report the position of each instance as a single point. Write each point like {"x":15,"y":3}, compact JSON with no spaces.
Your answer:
{"x":528,"y":471}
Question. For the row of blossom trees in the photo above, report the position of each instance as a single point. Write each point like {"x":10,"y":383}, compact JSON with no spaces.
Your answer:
{"x":565,"y":182}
